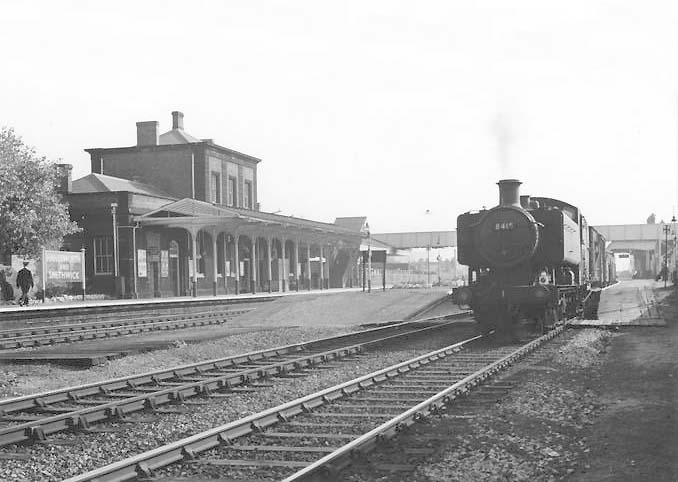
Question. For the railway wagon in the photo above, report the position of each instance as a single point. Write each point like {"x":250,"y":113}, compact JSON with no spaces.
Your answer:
{"x":529,"y":258}
{"x":598,"y":262}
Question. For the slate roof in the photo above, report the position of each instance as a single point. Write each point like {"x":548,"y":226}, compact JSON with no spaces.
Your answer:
{"x":92,"y":183}
{"x":176,"y":136}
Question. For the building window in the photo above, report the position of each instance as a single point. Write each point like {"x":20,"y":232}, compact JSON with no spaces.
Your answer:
{"x":231,"y":191}
{"x":215,"y":188}
{"x":247,"y":195}
{"x":103,"y":255}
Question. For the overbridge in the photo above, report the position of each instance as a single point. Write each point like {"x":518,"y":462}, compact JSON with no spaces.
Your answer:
{"x":647,"y":243}
{"x":423,"y":239}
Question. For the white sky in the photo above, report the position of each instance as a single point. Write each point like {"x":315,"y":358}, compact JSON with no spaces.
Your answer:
{"x":384,"y":109}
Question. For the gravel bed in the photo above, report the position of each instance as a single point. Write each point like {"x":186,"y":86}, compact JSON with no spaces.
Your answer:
{"x":56,"y":462}
{"x":24,"y":379}
{"x":535,"y":433}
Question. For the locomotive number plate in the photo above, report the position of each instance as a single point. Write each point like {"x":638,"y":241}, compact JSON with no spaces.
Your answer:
{"x":504,"y":226}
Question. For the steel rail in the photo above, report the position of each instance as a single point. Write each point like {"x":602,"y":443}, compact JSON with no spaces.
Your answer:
{"x":92,"y":333}
{"x":80,"y":419}
{"x":119,"y":320}
{"x":144,"y":464}
{"x":114,"y":328}
{"x":341,"y":457}
{"x":38,"y":400}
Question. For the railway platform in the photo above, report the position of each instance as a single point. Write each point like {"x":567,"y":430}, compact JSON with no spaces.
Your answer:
{"x":331,"y":308}
{"x":13,"y":316}
{"x":627,"y":303}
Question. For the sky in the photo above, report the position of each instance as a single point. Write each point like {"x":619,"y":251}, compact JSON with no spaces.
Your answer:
{"x":385,"y":109}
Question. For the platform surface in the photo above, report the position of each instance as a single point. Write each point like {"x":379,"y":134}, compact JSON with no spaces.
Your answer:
{"x":332,"y":308}
{"x":628,"y":303}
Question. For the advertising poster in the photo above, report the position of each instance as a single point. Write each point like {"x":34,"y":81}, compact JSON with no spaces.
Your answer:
{"x":141,"y":263}
{"x":164,"y":263}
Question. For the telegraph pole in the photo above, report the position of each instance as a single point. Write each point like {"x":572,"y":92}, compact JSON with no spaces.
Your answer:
{"x":369,"y":259}
{"x":667,"y":230}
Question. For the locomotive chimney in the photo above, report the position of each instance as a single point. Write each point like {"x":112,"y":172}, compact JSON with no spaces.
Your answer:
{"x":509,"y":192}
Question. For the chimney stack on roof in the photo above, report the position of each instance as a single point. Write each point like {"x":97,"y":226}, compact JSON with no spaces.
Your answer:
{"x":177,"y":120}
{"x":147,"y":133}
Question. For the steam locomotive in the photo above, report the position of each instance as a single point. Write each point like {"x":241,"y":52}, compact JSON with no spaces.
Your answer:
{"x":531,"y":259}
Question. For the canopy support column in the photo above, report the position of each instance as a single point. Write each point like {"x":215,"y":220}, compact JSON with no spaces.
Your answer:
{"x":269,"y":275}
{"x":308,"y":265}
{"x":194,"y":246}
{"x":285,"y":267}
{"x":322,"y":271}
{"x":297,"y":274}
{"x":254,"y":267}
{"x":236,"y":260}
{"x":214,"y":262}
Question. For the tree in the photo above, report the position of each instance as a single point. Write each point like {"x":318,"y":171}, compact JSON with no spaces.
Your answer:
{"x":32,"y":215}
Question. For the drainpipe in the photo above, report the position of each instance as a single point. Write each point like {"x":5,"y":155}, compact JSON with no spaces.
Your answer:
{"x":192,"y":174}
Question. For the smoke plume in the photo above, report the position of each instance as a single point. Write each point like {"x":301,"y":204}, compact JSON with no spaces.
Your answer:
{"x":501,"y":131}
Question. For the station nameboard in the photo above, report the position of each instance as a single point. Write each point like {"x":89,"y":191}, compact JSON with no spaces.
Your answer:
{"x":63,"y":266}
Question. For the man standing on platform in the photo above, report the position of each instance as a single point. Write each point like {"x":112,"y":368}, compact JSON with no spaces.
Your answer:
{"x":24,"y":280}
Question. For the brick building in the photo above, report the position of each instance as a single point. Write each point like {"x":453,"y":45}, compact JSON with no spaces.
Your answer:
{"x":146,"y":209}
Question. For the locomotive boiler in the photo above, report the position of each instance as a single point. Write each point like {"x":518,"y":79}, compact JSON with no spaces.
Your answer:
{"x":528,"y":258}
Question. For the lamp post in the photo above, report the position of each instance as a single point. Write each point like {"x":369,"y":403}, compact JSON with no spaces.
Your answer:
{"x":665,"y":271}
{"x":428,"y":259}
{"x":675,"y":262}
{"x":369,"y":259}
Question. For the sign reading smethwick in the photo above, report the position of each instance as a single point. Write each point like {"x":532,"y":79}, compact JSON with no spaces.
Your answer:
{"x":63,"y":267}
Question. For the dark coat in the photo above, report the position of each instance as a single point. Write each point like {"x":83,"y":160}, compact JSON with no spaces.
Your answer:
{"x":24,"y":279}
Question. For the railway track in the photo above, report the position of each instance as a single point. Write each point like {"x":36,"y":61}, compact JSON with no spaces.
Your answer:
{"x":69,"y":333}
{"x":314,"y":437}
{"x":35,"y":417}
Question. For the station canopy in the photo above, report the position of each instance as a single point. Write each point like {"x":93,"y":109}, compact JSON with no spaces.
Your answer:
{"x":187,"y":213}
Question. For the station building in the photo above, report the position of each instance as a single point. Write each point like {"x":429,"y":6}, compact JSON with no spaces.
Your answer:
{"x":175,"y":215}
